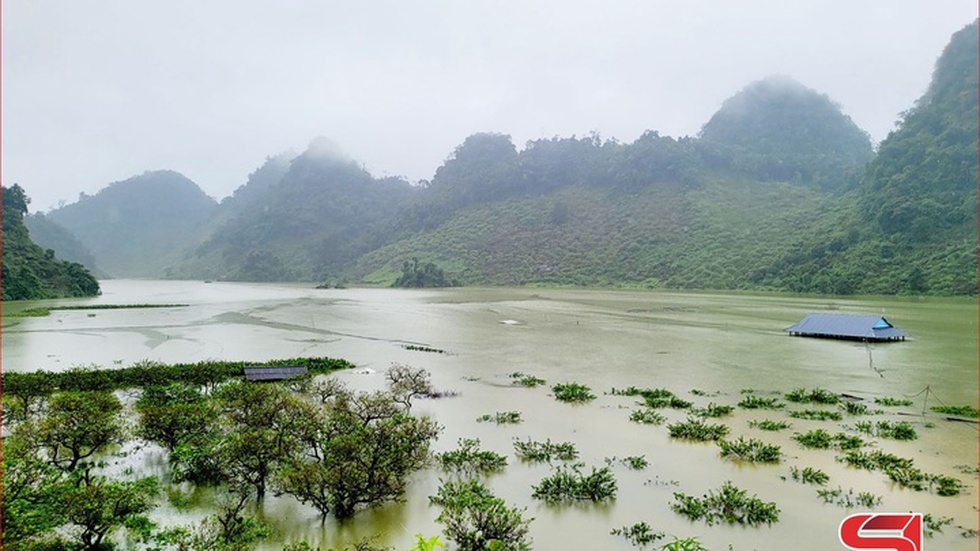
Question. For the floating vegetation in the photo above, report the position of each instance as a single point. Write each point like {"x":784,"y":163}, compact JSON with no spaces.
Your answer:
{"x":931,"y":525}
{"x":902,"y":471}
{"x":893,"y":402}
{"x":809,"y":475}
{"x":571,"y":485}
{"x":469,"y":458}
{"x":770,"y":425}
{"x":756,"y":402}
{"x":815,"y":396}
{"x":647,"y":416}
{"x":849,"y":500}
{"x":639,"y":534}
{"x":696,"y":429}
{"x":633,"y":462}
{"x":854,"y":408}
{"x":816,"y":415}
{"x":529,"y":381}
{"x":686,"y":544}
{"x":534,"y":451}
{"x":901,"y":430}
{"x":821,"y":439}
{"x":729,"y":504}
{"x":698,"y":392}
{"x":654,"y":397}
{"x":747,"y":391}
{"x":572,"y":393}
{"x":961,"y":411}
{"x":501,"y":418}
{"x":419,"y":348}
{"x":875,"y":460}
{"x":818,"y":438}
{"x":713,"y":410}
{"x":750,"y":450}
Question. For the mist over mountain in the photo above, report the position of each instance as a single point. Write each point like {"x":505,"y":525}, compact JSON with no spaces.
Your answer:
{"x":135,"y":227}
{"x":781,"y":190}
{"x":49,"y":235}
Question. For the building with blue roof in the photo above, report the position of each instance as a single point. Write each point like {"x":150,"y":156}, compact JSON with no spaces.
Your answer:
{"x":860,"y":327}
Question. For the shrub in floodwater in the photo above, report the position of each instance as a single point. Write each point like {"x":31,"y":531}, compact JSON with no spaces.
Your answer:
{"x":640,"y":534}
{"x":962,"y":411}
{"x":476,"y":519}
{"x":712,"y":410}
{"x":809,"y":475}
{"x":893,"y":402}
{"x":757,"y":402}
{"x":686,"y":544}
{"x":530,"y":381}
{"x":876,"y":460}
{"x":818,"y":438}
{"x":931,"y":525}
{"x":572,"y":485}
{"x":534,"y":451}
{"x":469,"y":458}
{"x":696,"y":429}
{"x":501,"y":417}
{"x":854,"y":408}
{"x":572,"y":392}
{"x":647,"y":416}
{"x":729,"y":504}
{"x":896,"y":431}
{"x":770,"y":425}
{"x":654,"y":397}
{"x":815,"y":396}
{"x":750,"y":450}
{"x":816,"y":415}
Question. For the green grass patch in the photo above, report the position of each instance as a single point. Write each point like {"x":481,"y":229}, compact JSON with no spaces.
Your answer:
{"x":41,"y":311}
{"x":758,"y":402}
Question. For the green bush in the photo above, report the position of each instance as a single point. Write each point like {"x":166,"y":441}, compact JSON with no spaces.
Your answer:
{"x":572,"y":485}
{"x":729,"y":504}
{"x":696,"y":429}
{"x":572,"y":393}
{"x":756,"y":402}
{"x":750,"y":450}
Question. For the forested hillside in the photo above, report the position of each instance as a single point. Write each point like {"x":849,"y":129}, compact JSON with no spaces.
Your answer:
{"x":49,"y":235}
{"x":911,"y":227}
{"x":780,"y":190}
{"x":30,"y":272}
{"x":137,"y":227}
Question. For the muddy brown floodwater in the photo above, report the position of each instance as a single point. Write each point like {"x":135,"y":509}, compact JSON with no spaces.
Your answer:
{"x":716,"y":343}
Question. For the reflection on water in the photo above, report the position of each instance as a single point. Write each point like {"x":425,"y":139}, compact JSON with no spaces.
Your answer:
{"x":680,"y":341}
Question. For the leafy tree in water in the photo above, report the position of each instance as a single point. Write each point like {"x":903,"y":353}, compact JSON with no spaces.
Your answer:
{"x":173,"y":414}
{"x":357,"y":450}
{"x":76,"y":426}
{"x":477,"y":520}
{"x":97,"y":506}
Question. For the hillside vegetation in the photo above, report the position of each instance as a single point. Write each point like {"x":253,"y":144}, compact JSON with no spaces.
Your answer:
{"x":779,"y":191}
{"x":30,"y":272}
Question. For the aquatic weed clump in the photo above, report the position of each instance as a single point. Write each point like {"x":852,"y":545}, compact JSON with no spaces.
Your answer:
{"x":529,"y":381}
{"x":729,"y":504}
{"x":962,"y":411}
{"x":647,"y":416}
{"x":758,"y":402}
{"x":713,"y":410}
{"x":469,"y":458}
{"x":534,"y":451}
{"x":770,"y":425}
{"x":815,"y":396}
{"x":501,"y":418}
{"x":572,"y":393}
{"x":571,"y":485}
{"x":809,"y":475}
{"x":815,"y":415}
{"x":696,"y":429}
{"x":750,"y":450}
{"x":639,"y":534}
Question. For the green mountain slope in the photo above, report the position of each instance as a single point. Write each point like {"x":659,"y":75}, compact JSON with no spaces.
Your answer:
{"x":911,"y":227}
{"x":30,"y":272}
{"x":306,"y":222}
{"x":778,"y":129}
{"x":49,"y":235}
{"x":139,"y":226}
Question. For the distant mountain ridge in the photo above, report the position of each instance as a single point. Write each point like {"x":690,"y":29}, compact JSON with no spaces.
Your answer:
{"x":780,"y":191}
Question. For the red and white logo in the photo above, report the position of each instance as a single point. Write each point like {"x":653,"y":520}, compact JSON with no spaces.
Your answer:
{"x":882,"y":531}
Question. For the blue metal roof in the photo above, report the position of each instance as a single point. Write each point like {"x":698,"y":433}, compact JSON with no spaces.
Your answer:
{"x":852,"y":326}
{"x":269,"y":373}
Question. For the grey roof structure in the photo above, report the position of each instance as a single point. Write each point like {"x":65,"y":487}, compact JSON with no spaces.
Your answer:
{"x":273,"y":373}
{"x":847,"y":326}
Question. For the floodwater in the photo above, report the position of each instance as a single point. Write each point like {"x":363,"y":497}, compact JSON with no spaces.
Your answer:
{"x":717,"y":343}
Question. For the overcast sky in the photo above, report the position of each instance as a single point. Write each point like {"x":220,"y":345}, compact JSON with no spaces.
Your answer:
{"x":101,"y":90}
